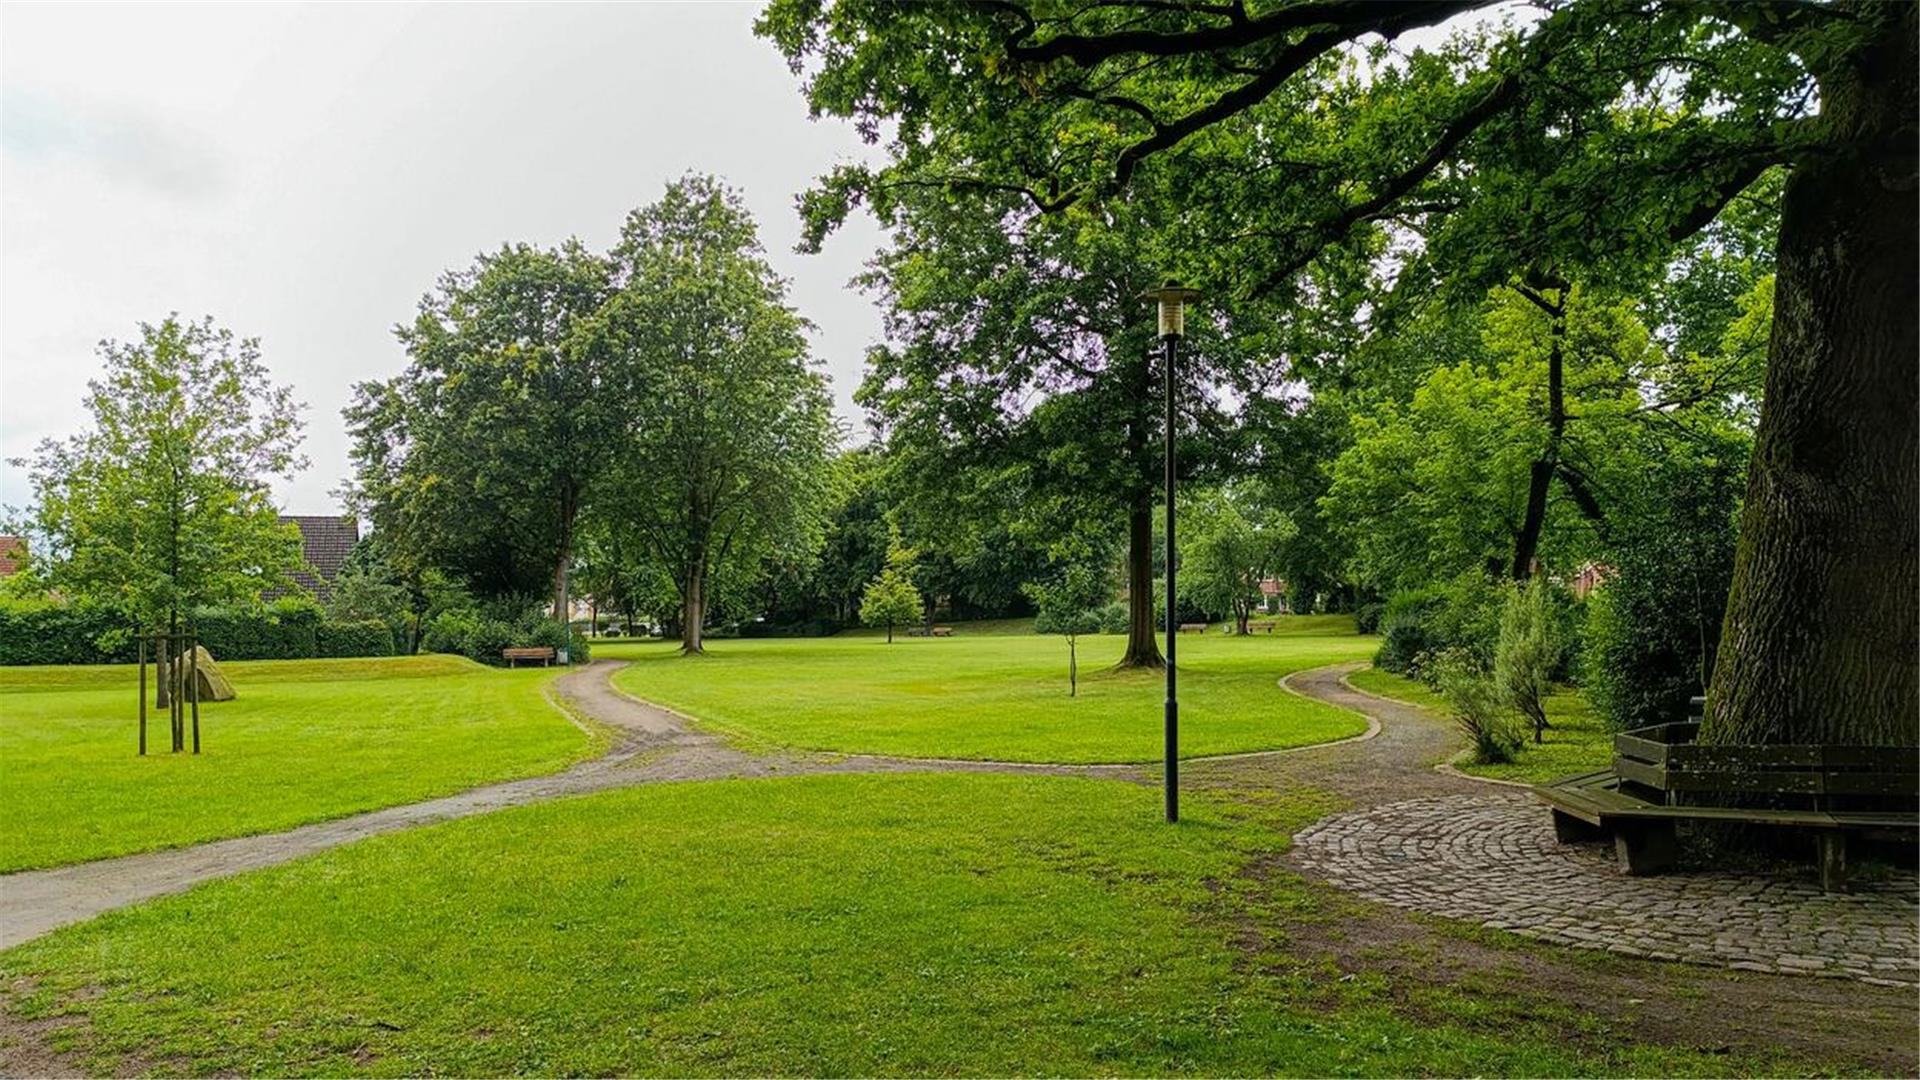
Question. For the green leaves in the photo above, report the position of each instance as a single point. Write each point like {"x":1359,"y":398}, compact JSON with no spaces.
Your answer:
{"x":162,"y":505}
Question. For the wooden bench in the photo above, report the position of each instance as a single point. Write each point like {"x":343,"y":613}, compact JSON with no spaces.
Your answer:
{"x":1265,"y":627}
{"x":542,"y":653}
{"x":1661,"y":777}
{"x":941,"y":631}
{"x":1193,"y":628}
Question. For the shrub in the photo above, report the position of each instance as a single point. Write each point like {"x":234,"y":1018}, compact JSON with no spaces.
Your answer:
{"x":287,"y":630}
{"x":42,"y":631}
{"x":1115,"y":618}
{"x":1461,"y":614}
{"x":1475,"y":703}
{"x":1366,"y":617}
{"x":1528,"y":651}
{"x":483,"y":637}
{"x":363,"y":637}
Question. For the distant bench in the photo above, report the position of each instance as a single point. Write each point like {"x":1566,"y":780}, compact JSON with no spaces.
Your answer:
{"x":930,"y":631}
{"x":1193,"y":628}
{"x":1661,"y":776}
{"x":542,"y":653}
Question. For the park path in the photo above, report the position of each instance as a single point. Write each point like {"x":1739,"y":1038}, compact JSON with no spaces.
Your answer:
{"x":650,"y":745}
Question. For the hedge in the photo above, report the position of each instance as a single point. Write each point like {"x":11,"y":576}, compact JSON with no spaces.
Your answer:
{"x":49,"y":632}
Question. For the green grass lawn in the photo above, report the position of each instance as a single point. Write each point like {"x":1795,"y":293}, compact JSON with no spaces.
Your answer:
{"x":829,"y":925}
{"x":1577,"y":742}
{"x":303,"y":741}
{"x":999,"y":696}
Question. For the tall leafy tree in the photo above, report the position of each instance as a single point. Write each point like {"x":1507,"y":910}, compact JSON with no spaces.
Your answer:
{"x":481,"y":458}
{"x":1021,"y":386}
{"x":1585,"y":141}
{"x":162,"y":505}
{"x":729,"y":463}
{"x":1229,"y":544}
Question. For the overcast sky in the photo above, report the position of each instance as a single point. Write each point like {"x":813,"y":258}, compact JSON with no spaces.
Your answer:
{"x":303,"y":174}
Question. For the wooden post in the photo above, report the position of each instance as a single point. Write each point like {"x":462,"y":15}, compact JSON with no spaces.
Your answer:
{"x":143,"y":695}
{"x":179,"y":688}
{"x":193,"y":686}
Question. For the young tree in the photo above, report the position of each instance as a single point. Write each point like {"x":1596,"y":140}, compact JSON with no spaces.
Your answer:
{"x":1069,"y":605}
{"x":730,"y":461}
{"x":1229,"y":544}
{"x":891,"y":597}
{"x":162,"y":506}
{"x":1528,"y":650}
{"x":481,"y":458}
{"x":1587,"y":141}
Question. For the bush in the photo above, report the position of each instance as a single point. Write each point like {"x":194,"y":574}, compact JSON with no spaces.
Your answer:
{"x":1476,"y":704}
{"x":1115,"y":618}
{"x":50,"y":632}
{"x":365,"y":637}
{"x":1528,"y":652}
{"x":1462,"y":614}
{"x":1366,"y":617}
{"x":484,"y":637}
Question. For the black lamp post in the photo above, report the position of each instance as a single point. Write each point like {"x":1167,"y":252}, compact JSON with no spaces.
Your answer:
{"x":1172,"y":299}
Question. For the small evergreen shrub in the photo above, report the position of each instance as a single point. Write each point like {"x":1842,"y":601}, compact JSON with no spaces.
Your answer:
{"x":1115,"y":618}
{"x":1476,"y":704}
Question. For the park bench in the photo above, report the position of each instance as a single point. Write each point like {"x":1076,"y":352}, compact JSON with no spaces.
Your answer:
{"x":1193,"y":628}
{"x":942,"y":631}
{"x":1661,"y":776}
{"x":1264,"y":626}
{"x":542,"y":653}
{"x":930,"y":631}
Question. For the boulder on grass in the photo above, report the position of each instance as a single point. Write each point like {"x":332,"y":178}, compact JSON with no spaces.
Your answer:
{"x":213,"y":682}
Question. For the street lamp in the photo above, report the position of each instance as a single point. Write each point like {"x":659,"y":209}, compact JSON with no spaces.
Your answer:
{"x":1172,"y":299}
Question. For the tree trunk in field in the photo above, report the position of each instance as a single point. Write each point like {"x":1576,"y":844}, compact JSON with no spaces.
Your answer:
{"x":1143,"y":649}
{"x":1819,"y":640}
{"x":693,"y":610}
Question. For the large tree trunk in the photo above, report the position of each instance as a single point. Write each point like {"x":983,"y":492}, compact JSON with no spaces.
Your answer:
{"x":693,"y":611}
{"x":1143,"y":649}
{"x":1819,"y":642}
{"x":560,"y":567}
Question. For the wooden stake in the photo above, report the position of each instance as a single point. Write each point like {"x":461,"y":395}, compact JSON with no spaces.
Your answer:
{"x":143,"y":696}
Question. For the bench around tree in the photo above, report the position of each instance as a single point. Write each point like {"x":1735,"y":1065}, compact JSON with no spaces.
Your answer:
{"x":542,"y":653}
{"x":1661,"y":776}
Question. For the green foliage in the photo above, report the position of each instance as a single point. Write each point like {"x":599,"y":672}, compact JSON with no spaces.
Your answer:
{"x":1653,"y":626}
{"x":1229,"y":543}
{"x":891,"y":598}
{"x":1366,"y":617}
{"x":1463,"y":614}
{"x":482,"y":635}
{"x":162,"y":504}
{"x":1483,"y":711}
{"x":367,"y":637}
{"x":42,"y":631}
{"x":1528,"y":651}
{"x":481,"y":457}
{"x":1069,"y":605}
{"x":729,"y":464}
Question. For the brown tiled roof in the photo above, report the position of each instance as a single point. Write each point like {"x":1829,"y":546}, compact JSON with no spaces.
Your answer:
{"x":12,"y":548}
{"x":325,"y":541}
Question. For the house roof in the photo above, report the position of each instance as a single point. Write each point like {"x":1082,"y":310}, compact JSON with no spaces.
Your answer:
{"x":12,"y":548}
{"x":325,"y":541}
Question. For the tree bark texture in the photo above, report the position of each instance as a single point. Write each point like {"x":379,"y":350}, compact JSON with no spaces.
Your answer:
{"x":1819,"y":640}
{"x":1143,"y":648}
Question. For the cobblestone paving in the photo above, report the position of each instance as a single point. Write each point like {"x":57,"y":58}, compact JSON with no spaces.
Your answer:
{"x":1492,"y":859}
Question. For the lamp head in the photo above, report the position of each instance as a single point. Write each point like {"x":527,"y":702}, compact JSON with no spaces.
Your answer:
{"x":1173,"y":299}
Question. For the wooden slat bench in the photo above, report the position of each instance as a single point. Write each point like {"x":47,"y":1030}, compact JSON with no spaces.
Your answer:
{"x":941,"y":631}
{"x":1193,"y":628}
{"x":542,"y":653}
{"x":1660,"y":777}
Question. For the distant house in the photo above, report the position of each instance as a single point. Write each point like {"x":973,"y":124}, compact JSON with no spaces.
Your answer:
{"x":324,"y":543}
{"x":1273,"y":596}
{"x":13,"y":552}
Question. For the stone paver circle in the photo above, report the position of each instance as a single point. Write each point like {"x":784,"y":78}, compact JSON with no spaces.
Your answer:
{"x":1492,"y":859}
